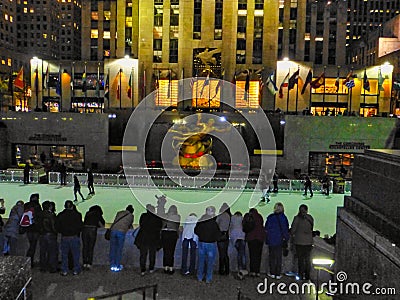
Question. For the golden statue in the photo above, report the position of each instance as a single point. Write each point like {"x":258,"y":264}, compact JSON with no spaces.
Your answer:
{"x":192,"y":143}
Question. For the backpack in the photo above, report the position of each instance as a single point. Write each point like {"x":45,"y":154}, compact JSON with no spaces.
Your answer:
{"x":27,"y":218}
{"x":248,"y":223}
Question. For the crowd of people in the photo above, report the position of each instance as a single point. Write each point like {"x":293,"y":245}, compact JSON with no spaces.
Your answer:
{"x":159,"y":228}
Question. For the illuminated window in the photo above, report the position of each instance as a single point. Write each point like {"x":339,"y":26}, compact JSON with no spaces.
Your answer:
{"x":25,"y":10}
{"x":128,"y":22}
{"x":11,"y":19}
{"x":6,"y":17}
{"x":45,"y":35}
{"x":95,"y":15}
{"x":32,"y":10}
{"x":107,"y":35}
{"x":94,"y":33}
{"x":9,"y":62}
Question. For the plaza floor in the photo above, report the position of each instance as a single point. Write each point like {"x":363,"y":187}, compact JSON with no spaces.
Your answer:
{"x":113,"y":199}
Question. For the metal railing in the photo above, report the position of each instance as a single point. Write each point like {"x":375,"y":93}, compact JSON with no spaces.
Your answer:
{"x":163,"y":181}
{"x":18,"y":176}
{"x":23,"y":294}
{"x":139,"y":291}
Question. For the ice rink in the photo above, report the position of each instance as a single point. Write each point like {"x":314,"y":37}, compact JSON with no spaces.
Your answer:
{"x":112,"y":199}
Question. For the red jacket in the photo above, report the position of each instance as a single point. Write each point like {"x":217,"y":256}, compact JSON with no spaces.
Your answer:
{"x":258,"y":233}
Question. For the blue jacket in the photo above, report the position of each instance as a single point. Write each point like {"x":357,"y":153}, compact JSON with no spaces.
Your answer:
{"x":276,"y":233}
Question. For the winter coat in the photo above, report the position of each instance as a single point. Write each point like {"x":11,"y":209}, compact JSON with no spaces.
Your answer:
{"x":258,"y":232}
{"x":150,"y":231}
{"x":277,"y":229}
{"x":302,"y":229}
{"x":11,"y":228}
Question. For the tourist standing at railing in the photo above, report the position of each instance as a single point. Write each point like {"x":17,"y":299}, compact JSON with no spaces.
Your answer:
{"x":224,"y":221}
{"x":277,"y":231}
{"x":63,"y":174}
{"x":302,"y":233}
{"x":148,"y":238}
{"x":90,"y":181}
{"x":255,"y":238}
{"x":11,"y":229}
{"x":123,"y":221}
{"x":48,"y":238}
{"x":93,"y":220}
{"x":189,"y":240}
{"x":169,"y":236}
{"x":237,"y":237}
{"x":69,"y":224}
{"x":77,"y":189}
{"x":307,"y":186}
{"x":208,"y":232}
{"x":27,"y":169}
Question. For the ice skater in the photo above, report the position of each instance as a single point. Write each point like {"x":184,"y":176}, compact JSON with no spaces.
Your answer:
{"x":77,"y":189}
{"x":265,"y":188}
{"x":90,"y":182}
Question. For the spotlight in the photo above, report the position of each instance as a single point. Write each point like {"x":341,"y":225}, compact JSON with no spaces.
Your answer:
{"x":222,"y":119}
{"x":282,"y":122}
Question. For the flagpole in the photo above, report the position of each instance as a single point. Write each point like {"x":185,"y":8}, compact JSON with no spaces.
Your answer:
{"x":310,"y":100}
{"x":337,"y":89}
{"x":131,"y":78}
{"x":288,"y":92}
{"x":85,"y":89}
{"x":365,"y":70}
{"x":47,"y":80}
{"x":42,"y":82}
{"x":297,"y":89}
{"x":98,"y":87}
{"x":323,"y":95}
{"x":274,"y":103}
{"x":11,"y":89}
{"x":60,"y":82}
{"x":24,"y":91}
{"x":197,"y":87}
{"x":120,"y":88}
{"x":209,"y":92}
{"x":37,"y":86}
{"x":183,"y":89}
{"x":108,"y":82}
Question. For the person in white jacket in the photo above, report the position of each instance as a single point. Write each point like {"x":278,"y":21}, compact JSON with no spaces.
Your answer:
{"x":189,"y":241}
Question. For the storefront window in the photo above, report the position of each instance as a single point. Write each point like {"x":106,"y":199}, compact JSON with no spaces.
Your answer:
{"x":50,"y":157}
{"x":335,"y":164}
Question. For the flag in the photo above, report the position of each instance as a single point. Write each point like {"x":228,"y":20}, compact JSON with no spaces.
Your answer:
{"x":144,"y":84}
{"x":307,"y":82}
{"x":348,"y":77}
{"x":58,"y":85}
{"x":129,"y":92}
{"x":380,"y":81}
{"x":283,"y":84}
{"x":46,"y":79}
{"x":320,"y":80}
{"x":350,"y":84}
{"x":118,"y":91}
{"x":169,"y":84}
{"x":271,"y":84}
{"x":106,"y":89}
{"x":205,"y":83}
{"x":247,"y":85}
{"x":366,"y":82}
{"x":293,"y":79}
{"x":19,"y":80}
{"x":36,"y":80}
{"x":218,"y":87}
{"x":84,"y":82}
